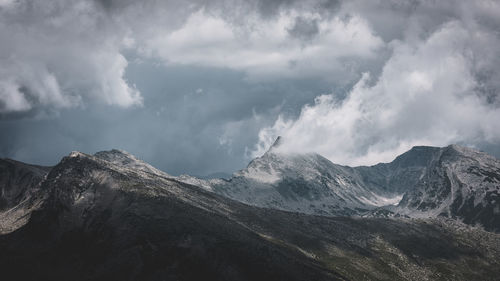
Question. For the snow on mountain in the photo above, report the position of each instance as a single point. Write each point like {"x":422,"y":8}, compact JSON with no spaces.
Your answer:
{"x":307,"y":183}
{"x":453,"y":181}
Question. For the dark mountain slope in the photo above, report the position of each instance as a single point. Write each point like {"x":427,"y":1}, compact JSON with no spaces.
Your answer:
{"x":105,"y":222}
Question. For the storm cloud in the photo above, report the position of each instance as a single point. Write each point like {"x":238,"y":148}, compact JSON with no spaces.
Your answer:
{"x":430,"y":92}
{"x":203,"y":86}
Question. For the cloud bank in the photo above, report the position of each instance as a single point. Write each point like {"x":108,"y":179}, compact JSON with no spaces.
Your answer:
{"x":60,"y":54}
{"x":291,"y":45}
{"x":433,"y":91}
{"x":200,"y":86}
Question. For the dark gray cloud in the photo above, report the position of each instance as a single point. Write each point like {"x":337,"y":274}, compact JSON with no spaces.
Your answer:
{"x":304,"y":29}
{"x":192,"y":86}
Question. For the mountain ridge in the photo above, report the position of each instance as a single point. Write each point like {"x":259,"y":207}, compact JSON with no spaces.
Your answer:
{"x":312,"y":184}
{"x":414,"y":184}
{"x":101,"y":220}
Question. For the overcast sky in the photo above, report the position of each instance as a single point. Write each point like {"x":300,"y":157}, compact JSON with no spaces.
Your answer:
{"x":204,"y":86}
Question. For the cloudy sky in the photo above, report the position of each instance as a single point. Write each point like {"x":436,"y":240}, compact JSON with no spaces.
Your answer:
{"x":204,"y":86}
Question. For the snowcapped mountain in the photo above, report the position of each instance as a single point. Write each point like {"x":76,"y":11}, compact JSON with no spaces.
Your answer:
{"x":307,"y":183}
{"x":453,"y":181}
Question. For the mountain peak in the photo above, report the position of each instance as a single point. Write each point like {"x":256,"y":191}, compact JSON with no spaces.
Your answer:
{"x":462,"y":149}
{"x":123,"y":158}
{"x":423,"y":155}
{"x":458,"y":151}
{"x":113,"y":153}
{"x":277,"y":143}
{"x":75,"y":154}
{"x":416,"y":156}
{"x":116,"y":156}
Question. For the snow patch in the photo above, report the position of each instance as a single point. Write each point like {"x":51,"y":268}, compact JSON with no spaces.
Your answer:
{"x":75,"y":154}
{"x":379,"y":201}
{"x":271,"y":176}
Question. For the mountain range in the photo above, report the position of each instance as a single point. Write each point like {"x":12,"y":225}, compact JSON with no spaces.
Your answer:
{"x":431,"y":214}
{"x":453,"y":181}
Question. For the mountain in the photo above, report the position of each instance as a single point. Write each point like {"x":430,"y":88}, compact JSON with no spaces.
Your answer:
{"x":458,"y":182}
{"x":453,"y":181}
{"x":402,"y":174}
{"x":102,"y":218}
{"x":310,"y":183}
{"x":307,"y":183}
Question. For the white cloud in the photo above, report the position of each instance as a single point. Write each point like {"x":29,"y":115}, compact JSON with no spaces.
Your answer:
{"x":60,"y":54}
{"x":11,"y":97}
{"x":265,"y":49}
{"x":427,"y":94}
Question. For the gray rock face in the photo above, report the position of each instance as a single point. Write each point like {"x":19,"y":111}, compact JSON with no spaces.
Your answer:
{"x":101,"y":220}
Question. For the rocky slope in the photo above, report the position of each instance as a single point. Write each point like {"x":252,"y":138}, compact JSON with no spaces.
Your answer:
{"x":103,"y":220}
